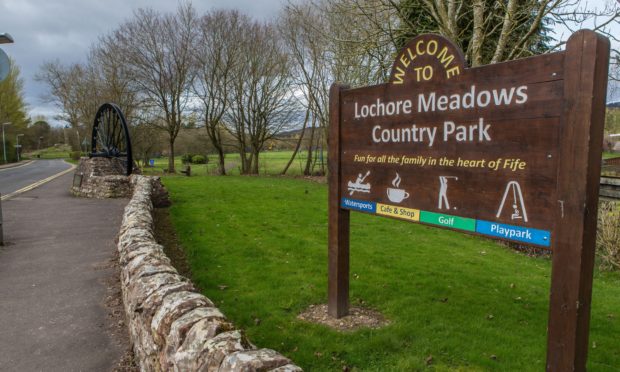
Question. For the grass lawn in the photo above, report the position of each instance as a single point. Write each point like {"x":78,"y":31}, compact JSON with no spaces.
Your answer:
{"x":607,"y":155}
{"x":55,"y":152}
{"x":467,"y":302}
{"x":271,"y":163}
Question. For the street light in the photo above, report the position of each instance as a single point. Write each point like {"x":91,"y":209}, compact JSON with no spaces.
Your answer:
{"x":17,"y":145}
{"x":6,"y":38}
{"x":4,"y":142}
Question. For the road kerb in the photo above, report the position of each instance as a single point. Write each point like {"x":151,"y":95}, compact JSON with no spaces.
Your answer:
{"x":3,"y":168}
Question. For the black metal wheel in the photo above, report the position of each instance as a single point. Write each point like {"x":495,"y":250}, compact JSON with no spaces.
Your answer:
{"x":110,"y":137}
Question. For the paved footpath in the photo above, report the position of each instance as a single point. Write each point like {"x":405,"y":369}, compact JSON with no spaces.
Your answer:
{"x":53,"y":277}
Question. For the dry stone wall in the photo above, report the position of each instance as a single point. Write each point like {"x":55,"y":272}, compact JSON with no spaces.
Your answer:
{"x":172,"y":326}
{"x":100,"y":178}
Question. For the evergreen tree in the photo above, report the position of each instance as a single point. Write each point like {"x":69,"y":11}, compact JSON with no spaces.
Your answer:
{"x":415,"y":20}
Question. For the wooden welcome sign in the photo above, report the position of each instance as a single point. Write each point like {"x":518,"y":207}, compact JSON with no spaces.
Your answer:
{"x":509,"y":151}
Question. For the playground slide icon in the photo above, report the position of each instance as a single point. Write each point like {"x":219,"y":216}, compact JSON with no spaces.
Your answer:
{"x":518,"y":205}
{"x":359,"y":185}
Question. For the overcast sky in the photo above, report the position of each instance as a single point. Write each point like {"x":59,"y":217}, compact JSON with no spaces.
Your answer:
{"x":46,"y":30}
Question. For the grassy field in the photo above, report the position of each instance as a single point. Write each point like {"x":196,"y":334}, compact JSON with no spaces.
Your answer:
{"x":56,"y":152}
{"x":271,"y":163}
{"x":257,"y":247}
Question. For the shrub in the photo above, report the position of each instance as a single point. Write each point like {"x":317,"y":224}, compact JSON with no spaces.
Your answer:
{"x":199,"y":159}
{"x":187,"y":158}
{"x":75,"y":155}
{"x":608,"y":236}
{"x":11,"y":155}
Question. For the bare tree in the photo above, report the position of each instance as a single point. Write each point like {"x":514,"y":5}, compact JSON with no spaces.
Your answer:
{"x":145,"y":135}
{"x":71,"y":91}
{"x":361,"y":39}
{"x":157,"y":51}
{"x":110,"y":77}
{"x":78,"y":90}
{"x":216,"y":54}
{"x":312,"y":74}
{"x":487,"y":31}
{"x":63,"y":83}
{"x":260,"y":99}
{"x":578,"y":14}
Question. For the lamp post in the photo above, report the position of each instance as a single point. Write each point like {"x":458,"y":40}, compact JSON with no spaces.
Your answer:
{"x":17,"y":145}
{"x":4,"y":142}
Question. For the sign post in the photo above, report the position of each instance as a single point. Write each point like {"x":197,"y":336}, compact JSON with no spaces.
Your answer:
{"x":510,"y":151}
{"x":338,"y":234}
{"x":579,"y":170}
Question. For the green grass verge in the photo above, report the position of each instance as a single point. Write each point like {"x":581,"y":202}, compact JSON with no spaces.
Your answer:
{"x":607,"y":155}
{"x":468,"y":302}
{"x":55,"y":152}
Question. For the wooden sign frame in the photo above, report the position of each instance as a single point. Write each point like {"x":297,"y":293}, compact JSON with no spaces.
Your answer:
{"x":585,"y":62}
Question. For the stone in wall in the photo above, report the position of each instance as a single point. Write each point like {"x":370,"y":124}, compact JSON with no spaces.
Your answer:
{"x":172,"y":326}
{"x":253,"y":360}
{"x":101,"y":178}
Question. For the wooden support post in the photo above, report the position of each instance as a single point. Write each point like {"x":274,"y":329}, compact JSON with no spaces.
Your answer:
{"x":338,"y":230}
{"x":586,"y":62}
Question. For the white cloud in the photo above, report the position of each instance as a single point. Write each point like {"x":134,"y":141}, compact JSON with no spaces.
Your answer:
{"x":47,"y":30}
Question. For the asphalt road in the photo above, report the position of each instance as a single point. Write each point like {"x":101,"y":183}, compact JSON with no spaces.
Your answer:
{"x":13,"y":179}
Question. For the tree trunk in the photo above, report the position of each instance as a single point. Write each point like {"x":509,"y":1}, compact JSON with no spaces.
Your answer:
{"x":322,"y":157}
{"x":309,"y":159}
{"x":298,"y":145}
{"x":255,"y":154}
{"x":221,"y":165}
{"x":171,"y":157}
{"x":478,"y":34}
{"x":244,"y":162}
{"x":506,"y":29}
{"x":215,"y":136}
{"x":315,"y":157}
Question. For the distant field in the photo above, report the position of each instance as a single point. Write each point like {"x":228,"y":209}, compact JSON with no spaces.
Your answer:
{"x":257,"y":246}
{"x":55,"y":152}
{"x":270,"y":163}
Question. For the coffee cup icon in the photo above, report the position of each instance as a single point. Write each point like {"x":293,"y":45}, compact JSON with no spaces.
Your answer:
{"x":397,"y":195}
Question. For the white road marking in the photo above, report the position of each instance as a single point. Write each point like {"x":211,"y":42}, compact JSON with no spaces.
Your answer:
{"x":38,"y":183}
{"x":19,"y":166}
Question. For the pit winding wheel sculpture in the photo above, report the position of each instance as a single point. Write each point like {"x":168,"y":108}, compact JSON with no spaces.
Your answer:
{"x":110,"y":137}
